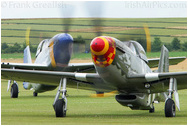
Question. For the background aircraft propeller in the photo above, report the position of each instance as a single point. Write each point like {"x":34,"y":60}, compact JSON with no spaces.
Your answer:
{"x":67,"y":13}
{"x":27,"y":35}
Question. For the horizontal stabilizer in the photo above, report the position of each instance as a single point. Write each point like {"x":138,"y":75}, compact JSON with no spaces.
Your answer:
{"x":172,"y":61}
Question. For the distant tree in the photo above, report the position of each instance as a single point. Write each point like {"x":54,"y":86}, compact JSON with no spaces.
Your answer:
{"x":23,"y":46}
{"x":176,"y":44}
{"x":4,"y":46}
{"x":168,"y":46}
{"x":16,"y":48}
{"x":184,"y":46}
{"x":33,"y":49}
{"x":143,"y":43}
{"x":156,"y":45}
{"x":79,"y":39}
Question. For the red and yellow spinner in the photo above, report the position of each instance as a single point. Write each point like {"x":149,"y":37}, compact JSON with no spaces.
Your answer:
{"x":103,"y":51}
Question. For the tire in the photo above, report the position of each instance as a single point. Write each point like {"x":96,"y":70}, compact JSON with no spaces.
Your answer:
{"x":14,"y":91}
{"x":35,"y":94}
{"x":60,"y":108}
{"x":170,"y":109}
{"x":152,"y":110}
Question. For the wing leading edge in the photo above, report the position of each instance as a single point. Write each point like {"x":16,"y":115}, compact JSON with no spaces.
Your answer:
{"x":47,"y":77}
{"x":30,"y":66}
{"x":72,"y":67}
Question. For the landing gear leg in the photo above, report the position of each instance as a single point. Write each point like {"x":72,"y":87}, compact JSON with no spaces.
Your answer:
{"x":60,"y":105}
{"x":170,"y":109}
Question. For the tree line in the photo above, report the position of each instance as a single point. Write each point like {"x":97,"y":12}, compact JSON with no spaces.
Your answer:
{"x":156,"y":45}
{"x":16,"y":48}
{"x":175,"y":45}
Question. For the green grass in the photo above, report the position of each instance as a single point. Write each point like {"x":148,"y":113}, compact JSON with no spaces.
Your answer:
{"x":81,"y":56}
{"x":15,"y":56}
{"x":171,"y":54}
{"x":88,"y":55}
{"x":82,"y":110}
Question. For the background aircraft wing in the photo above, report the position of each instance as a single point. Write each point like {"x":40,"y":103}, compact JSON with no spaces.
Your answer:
{"x":24,"y":66}
{"x":72,"y":67}
{"x":47,"y":77}
{"x":172,"y":61}
{"x":153,"y":78}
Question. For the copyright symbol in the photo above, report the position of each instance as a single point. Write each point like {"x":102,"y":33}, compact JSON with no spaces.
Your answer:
{"x":3,"y":4}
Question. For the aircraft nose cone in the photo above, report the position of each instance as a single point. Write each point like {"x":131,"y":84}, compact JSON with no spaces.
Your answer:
{"x":103,"y":51}
{"x":99,"y":46}
{"x":65,"y":38}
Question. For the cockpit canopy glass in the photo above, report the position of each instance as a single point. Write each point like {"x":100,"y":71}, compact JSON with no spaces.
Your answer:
{"x":137,"y":49}
{"x":40,"y":47}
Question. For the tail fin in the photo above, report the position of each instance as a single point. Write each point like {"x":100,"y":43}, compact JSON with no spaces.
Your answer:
{"x":164,"y":60}
{"x":27,"y":55}
{"x":27,"y":59}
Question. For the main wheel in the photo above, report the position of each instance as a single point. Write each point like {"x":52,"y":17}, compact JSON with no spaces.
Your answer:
{"x":14,"y":91}
{"x":170,"y":109}
{"x":35,"y":94}
{"x":60,"y":108}
{"x":152,"y":110}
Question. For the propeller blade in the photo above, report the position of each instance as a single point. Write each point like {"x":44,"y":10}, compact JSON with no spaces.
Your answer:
{"x":67,"y":20}
{"x":148,"y":38}
{"x":94,"y":9}
{"x":133,"y":33}
{"x":99,"y":95}
{"x":66,"y":24}
{"x":138,"y":33}
{"x":27,"y":35}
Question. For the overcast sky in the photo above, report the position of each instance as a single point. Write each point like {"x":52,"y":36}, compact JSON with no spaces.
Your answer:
{"x":106,"y":9}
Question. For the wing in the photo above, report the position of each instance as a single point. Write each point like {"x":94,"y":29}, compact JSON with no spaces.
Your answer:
{"x":72,"y":67}
{"x":181,"y":78}
{"x":48,"y":77}
{"x":24,"y":66}
{"x":172,"y":61}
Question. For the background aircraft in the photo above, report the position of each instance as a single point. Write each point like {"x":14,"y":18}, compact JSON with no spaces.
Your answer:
{"x":120,"y":66}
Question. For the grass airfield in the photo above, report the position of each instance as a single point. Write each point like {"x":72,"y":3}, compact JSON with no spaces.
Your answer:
{"x":82,"y":110}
